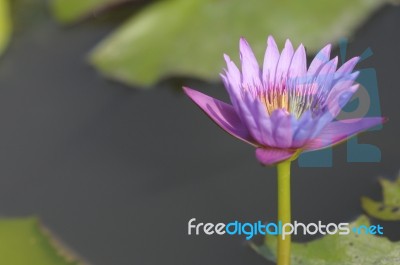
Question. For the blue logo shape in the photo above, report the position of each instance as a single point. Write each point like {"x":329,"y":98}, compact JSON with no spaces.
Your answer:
{"x":365,"y":103}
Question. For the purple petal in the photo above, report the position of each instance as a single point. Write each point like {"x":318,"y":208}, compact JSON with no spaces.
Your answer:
{"x":232,"y":82}
{"x":222,"y":114}
{"x":284,"y":62}
{"x":272,"y":156}
{"x":263,"y":126}
{"x":348,"y":66}
{"x":343,"y":84}
{"x":336,"y":132}
{"x":232,"y":87}
{"x":346,"y":69}
{"x":320,"y":122}
{"x":328,"y":69}
{"x":250,"y":67}
{"x":255,"y":117}
{"x":276,"y":130}
{"x":325,"y":77}
{"x":339,"y":101}
{"x":232,"y":73}
{"x":271,"y":59}
{"x":304,"y":130}
{"x":284,"y":125}
{"x":320,"y":59}
{"x":298,"y":66}
{"x":340,"y":94}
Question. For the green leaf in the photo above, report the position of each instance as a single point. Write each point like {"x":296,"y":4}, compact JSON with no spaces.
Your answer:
{"x":25,"y":242}
{"x":389,"y":208}
{"x":337,"y":249}
{"x":188,"y":38}
{"x":5,"y":25}
{"x":67,"y":11}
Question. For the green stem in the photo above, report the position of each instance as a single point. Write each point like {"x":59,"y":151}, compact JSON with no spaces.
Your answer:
{"x":284,"y":212}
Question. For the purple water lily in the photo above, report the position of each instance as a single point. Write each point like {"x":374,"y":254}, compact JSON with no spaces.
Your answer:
{"x":284,"y":108}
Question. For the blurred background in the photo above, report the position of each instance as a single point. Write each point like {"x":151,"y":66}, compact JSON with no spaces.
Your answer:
{"x":117,"y":172}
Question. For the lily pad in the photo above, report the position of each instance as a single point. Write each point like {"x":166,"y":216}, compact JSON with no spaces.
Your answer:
{"x":389,"y":208}
{"x":26,"y":242}
{"x":188,"y":38}
{"x":67,"y":11}
{"x":337,"y":249}
{"x":5,"y":24}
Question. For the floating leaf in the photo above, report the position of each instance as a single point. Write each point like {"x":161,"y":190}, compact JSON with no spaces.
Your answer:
{"x":337,"y":249}
{"x":26,"y":242}
{"x":188,"y":38}
{"x":389,"y":208}
{"x":5,"y":24}
{"x":67,"y":11}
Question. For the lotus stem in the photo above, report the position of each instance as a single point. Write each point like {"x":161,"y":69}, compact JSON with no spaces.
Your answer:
{"x":284,"y":211}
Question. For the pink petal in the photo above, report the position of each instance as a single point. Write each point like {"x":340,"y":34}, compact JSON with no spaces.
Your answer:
{"x":336,"y":132}
{"x":233,"y":72}
{"x":284,"y":62}
{"x":257,"y":120}
{"x":231,"y":89}
{"x":250,"y":67}
{"x":320,"y":59}
{"x":272,"y":156}
{"x":329,"y":68}
{"x":305,"y":128}
{"x":222,"y":114}
{"x":271,"y":59}
{"x":298,"y":66}
{"x":341,"y":93}
{"x":284,"y":126}
{"x":232,"y":82}
{"x":325,"y":76}
{"x":346,"y":69}
{"x":348,"y":66}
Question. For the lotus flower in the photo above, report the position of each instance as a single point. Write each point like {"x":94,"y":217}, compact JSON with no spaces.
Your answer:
{"x":284,"y":107}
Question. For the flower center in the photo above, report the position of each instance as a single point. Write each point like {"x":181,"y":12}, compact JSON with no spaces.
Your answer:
{"x":294,"y":99}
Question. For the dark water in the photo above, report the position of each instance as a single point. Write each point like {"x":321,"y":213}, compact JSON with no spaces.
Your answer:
{"x":117,"y":173}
